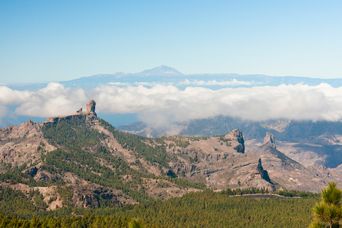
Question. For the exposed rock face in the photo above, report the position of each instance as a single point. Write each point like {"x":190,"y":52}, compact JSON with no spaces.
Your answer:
{"x":98,"y":197}
{"x":269,"y":140}
{"x":90,"y":107}
{"x":214,"y":162}
{"x":89,"y":114}
{"x":263,"y":173}
{"x":156,"y":188}
{"x":235,"y":137}
{"x":23,"y":145}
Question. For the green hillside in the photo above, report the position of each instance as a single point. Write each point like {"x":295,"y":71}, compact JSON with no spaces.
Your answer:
{"x":206,"y":209}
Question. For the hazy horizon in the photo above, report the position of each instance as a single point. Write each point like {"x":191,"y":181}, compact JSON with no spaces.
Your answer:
{"x":164,"y":65}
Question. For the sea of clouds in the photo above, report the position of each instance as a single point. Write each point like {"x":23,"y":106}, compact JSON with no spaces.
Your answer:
{"x":163,"y":106}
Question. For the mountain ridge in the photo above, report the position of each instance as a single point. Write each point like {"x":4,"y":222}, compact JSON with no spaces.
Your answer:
{"x":80,"y":160}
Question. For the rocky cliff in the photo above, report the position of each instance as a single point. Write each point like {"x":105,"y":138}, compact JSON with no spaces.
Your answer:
{"x":236,"y":140}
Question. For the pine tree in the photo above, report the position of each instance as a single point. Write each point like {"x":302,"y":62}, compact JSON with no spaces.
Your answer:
{"x":328,"y":212}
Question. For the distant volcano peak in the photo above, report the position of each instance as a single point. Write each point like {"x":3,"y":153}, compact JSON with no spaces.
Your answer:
{"x":161,"y":70}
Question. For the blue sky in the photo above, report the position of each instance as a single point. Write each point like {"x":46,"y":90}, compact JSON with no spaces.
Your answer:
{"x":59,"y":40}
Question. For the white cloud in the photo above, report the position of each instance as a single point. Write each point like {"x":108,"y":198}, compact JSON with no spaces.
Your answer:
{"x":9,"y":96}
{"x":52,"y":100}
{"x":233,"y":82}
{"x":169,"y":104}
{"x":164,"y":106}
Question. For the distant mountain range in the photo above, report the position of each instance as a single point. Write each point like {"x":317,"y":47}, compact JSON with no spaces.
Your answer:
{"x":169,"y":75}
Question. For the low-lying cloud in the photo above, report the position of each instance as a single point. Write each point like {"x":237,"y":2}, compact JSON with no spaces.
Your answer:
{"x":165,"y":106}
{"x":53,"y":100}
{"x":233,"y":82}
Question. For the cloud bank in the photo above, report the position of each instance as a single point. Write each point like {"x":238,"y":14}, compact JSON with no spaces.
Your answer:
{"x":233,"y":82}
{"x":164,"y":106}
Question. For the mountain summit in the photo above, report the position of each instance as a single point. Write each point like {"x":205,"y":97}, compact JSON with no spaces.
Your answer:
{"x":161,"y":71}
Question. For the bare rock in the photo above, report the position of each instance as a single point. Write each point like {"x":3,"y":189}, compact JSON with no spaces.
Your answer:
{"x":263,"y":173}
{"x":90,"y":107}
{"x":235,"y":137}
{"x":269,"y":140}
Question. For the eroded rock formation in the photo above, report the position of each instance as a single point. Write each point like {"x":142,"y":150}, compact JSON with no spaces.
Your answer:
{"x":236,"y":140}
{"x":79,"y":115}
{"x":90,"y":107}
{"x":263,"y":173}
{"x":269,"y":140}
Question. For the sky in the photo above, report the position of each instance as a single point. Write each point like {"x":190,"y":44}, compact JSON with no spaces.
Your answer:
{"x":60,"y":40}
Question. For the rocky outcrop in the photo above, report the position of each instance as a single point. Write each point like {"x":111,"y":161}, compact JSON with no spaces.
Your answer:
{"x":90,"y":107}
{"x":89,"y":114}
{"x":270,"y":145}
{"x":269,"y":140}
{"x":236,"y":140}
{"x":99,"y":197}
{"x":23,"y":145}
{"x":263,"y":173}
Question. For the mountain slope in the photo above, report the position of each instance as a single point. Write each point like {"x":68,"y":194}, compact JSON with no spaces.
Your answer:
{"x":313,"y":143}
{"x":82,"y":161}
{"x":79,"y":161}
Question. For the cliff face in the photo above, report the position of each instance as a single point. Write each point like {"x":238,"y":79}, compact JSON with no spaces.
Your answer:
{"x":263,"y":173}
{"x":215,"y":162}
{"x":81,"y":161}
{"x":236,"y":140}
